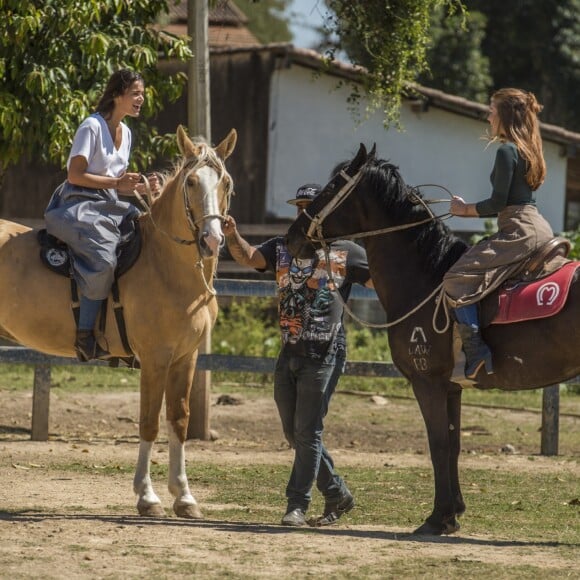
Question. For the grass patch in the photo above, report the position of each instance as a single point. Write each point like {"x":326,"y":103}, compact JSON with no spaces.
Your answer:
{"x":14,"y":377}
{"x":504,"y":504}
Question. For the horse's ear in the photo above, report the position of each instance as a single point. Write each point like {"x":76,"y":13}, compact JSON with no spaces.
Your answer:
{"x":227,"y":146}
{"x":358,"y":161}
{"x":373,"y":150}
{"x":184,"y":143}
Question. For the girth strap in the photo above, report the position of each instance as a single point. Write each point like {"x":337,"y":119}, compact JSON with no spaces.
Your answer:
{"x":120,"y":318}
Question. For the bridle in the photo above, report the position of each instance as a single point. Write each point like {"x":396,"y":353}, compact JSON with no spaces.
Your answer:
{"x":314,"y":235}
{"x":205,"y":157}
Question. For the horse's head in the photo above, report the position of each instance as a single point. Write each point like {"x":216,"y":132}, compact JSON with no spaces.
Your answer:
{"x":207,"y":188}
{"x":311,"y":227}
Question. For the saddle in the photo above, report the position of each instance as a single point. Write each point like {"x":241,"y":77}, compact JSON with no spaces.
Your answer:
{"x":539,"y":291}
{"x":56,"y":256}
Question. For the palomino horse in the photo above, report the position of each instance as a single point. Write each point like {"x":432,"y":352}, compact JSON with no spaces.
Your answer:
{"x":168,"y":299}
{"x":409,"y":251}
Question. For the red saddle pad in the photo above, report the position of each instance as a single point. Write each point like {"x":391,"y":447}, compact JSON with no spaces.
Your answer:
{"x":537,"y":299}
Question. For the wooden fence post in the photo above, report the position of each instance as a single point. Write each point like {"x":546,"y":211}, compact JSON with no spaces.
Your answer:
{"x":198,"y":427}
{"x":40,"y":402}
{"x":550,"y":420}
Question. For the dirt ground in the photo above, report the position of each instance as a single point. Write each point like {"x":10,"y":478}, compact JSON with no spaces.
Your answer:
{"x":62,"y":523}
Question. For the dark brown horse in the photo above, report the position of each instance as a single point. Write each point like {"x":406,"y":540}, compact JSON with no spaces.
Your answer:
{"x":408,"y":260}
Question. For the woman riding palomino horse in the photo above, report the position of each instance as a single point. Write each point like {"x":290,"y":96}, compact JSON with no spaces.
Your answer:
{"x":85,"y":211}
{"x":168,"y":300}
{"x":518,"y":172}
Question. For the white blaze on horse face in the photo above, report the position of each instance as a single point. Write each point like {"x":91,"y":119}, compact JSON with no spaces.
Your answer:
{"x":211,"y":234}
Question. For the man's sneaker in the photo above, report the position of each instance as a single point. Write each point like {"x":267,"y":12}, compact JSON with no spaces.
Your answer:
{"x":295,"y":518}
{"x":333,"y":510}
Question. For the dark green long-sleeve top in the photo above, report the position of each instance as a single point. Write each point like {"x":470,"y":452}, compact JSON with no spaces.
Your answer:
{"x":508,"y":180}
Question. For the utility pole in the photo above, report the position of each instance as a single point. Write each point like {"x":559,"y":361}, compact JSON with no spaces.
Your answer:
{"x":199,"y":124}
{"x":198,"y":99}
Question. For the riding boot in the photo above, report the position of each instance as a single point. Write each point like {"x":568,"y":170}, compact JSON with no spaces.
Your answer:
{"x":87,"y":347}
{"x":476,"y":351}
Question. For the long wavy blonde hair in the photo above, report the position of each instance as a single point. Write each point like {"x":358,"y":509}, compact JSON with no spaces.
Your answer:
{"x":517,"y":112}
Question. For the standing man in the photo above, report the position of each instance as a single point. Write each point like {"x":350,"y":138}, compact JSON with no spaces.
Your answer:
{"x":312,"y":356}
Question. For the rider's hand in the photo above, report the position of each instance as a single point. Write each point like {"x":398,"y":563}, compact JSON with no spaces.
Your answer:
{"x":458,"y":206}
{"x":154,"y":186}
{"x":127,"y":182}
{"x":154,"y":183}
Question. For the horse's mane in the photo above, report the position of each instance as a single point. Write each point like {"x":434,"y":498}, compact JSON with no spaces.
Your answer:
{"x":437,"y":246}
{"x":207,"y":156}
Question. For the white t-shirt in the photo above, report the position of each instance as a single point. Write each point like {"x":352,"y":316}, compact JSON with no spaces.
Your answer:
{"x":94,"y":142}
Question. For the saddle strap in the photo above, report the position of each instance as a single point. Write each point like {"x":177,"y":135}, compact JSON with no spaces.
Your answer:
{"x":130,"y":359}
{"x":75,"y":302}
{"x":120,"y":318}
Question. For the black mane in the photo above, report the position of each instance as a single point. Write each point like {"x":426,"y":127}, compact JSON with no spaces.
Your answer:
{"x":437,"y":246}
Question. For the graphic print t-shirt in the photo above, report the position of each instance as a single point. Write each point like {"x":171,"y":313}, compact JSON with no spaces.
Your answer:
{"x":310,"y":313}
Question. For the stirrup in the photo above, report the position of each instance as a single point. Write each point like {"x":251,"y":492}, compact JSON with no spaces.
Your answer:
{"x":87,"y":347}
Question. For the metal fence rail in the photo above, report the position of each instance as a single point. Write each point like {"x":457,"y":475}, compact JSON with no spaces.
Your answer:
{"x":208,"y":362}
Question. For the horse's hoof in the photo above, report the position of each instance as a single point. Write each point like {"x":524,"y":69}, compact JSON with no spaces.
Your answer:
{"x":429,"y":529}
{"x":151,"y":510}
{"x":189,"y":511}
{"x":451,"y":526}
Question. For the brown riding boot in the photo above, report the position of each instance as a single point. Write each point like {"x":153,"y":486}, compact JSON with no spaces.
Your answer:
{"x":476,"y":351}
{"x":87,"y":347}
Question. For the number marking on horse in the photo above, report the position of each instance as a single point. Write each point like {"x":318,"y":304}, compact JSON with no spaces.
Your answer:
{"x":419,"y":349}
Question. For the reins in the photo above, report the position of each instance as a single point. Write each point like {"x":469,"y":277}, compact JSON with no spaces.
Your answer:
{"x":316,"y":222}
{"x":415,"y":198}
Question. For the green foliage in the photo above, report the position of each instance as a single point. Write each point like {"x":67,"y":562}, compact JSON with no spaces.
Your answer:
{"x":55,"y":58}
{"x":366,"y":344}
{"x":536,"y":47}
{"x":574,"y":237}
{"x":248,"y":328}
{"x":266,"y":19}
{"x":390,"y":39}
{"x":456,"y":62}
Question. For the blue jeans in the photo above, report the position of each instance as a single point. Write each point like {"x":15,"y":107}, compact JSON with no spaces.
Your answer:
{"x":302,"y":391}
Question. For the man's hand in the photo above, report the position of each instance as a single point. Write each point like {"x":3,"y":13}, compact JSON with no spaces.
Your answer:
{"x":229,"y":227}
{"x":242,"y":252}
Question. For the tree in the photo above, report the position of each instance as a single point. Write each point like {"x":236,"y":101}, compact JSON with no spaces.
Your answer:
{"x":390,"y":39}
{"x":266,"y":19}
{"x":56,"y":56}
{"x":456,"y":62}
{"x":536,"y":47}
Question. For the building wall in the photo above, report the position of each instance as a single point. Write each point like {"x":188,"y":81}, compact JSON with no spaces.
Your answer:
{"x":239,"y":99}
{"x":312,"y":128}
{"x":294,"y":125}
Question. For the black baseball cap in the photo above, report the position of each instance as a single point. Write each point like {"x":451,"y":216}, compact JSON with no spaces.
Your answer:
{"x":306,"y":192}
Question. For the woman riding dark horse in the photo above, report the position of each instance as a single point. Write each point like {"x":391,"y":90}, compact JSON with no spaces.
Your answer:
{"x":409,"y":252}
{"x":518,"y":172}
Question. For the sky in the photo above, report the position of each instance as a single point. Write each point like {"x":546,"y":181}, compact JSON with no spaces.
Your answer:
{"x":305,"y":15}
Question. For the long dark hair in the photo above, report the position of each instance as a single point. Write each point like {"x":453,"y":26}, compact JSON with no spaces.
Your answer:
{"x":117,"y":85}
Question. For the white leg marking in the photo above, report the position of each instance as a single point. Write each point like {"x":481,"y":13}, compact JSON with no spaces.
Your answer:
{"x":142,"y":482}
{"x":178,"y":484}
